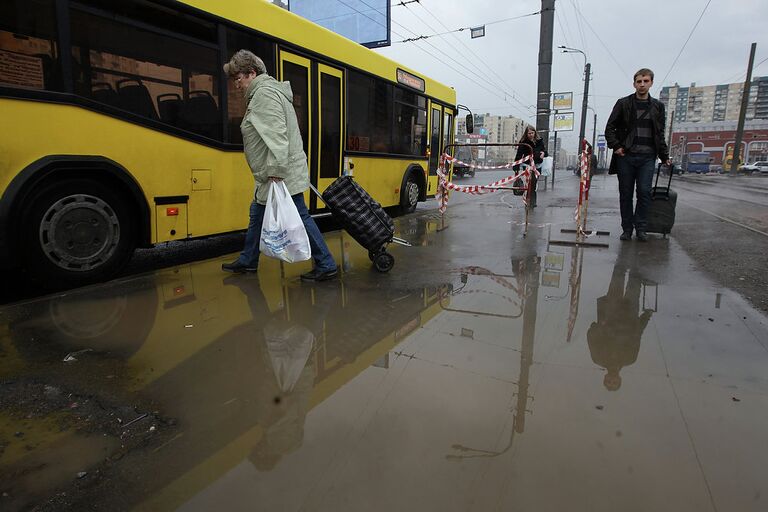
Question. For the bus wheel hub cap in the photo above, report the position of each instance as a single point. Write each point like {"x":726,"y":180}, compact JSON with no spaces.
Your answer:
{"x":413,"y":193}
{"x":79,"y":232}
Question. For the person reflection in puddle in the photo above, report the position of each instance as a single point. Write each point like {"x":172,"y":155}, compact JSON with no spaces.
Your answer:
{"x":614,"y":339}
{"x":289,"y":345}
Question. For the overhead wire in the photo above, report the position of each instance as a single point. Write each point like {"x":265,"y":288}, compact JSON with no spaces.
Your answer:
{"x":435,"y":57}
{"x":461,"y":29}
{"x":610,"y":53}
{"x":742,"y":74}
{"x":480,"y":59}
{"x":686,"y":41}
{"x":578,"y":25}
{"x":565,"y":37}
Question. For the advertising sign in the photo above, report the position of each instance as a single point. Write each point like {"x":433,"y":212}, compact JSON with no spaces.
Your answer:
{"x":367,"y":22}
{"x":601,"y":141}
{"x":562,"y":100}
{"x":564,"y":122}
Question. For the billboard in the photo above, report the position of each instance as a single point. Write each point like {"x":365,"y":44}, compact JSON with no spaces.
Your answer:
{"x":367,"y":22}
{"x":562,"y":100}
{"x":564,"y":122}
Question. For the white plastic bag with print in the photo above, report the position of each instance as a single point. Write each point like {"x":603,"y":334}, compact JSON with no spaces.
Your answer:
{"x":283,"y":235}
{"x":546,"y":166}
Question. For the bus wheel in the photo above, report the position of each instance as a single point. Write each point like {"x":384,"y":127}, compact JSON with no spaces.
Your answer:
{"x":76,"y":232}
{"x":409,"y":195}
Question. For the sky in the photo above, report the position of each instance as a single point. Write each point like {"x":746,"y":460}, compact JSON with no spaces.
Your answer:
{"x":498,"y":73}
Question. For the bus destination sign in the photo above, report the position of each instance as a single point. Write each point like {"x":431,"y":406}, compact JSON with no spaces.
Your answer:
{"x":412,"y":81}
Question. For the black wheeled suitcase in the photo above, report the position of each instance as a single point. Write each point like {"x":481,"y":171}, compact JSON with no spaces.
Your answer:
{"x":363,"y":218}
{"x":661,"y":213}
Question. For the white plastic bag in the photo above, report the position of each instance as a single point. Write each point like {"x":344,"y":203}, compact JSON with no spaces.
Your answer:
{"x":283,"y":235}
{"x":546,"y":166}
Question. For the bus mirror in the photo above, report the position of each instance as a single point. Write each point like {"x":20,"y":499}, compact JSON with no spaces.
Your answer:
{"x":470,"y":123}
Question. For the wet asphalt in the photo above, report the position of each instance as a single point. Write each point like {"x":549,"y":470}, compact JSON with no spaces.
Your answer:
{"x":492,"y":369}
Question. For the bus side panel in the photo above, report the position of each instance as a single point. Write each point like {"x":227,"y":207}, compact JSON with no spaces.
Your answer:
{"x":383,"y":177}
{"x":162,"y":164}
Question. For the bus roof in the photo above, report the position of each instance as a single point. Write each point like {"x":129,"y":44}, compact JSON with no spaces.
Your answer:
{"x":287,"y":26}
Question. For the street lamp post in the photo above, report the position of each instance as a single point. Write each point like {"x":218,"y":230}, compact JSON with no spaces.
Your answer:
{"x":594,"y":127}
{"x":587,"y":68}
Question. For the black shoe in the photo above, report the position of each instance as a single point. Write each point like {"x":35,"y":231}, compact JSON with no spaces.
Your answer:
{"x":316,"y":275}
{"x":238,"y":268}
{"x":627,"y":235}
{"x":642,"y":236}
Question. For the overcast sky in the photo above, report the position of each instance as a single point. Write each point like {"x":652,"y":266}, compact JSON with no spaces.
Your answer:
{"x":498,"y":73}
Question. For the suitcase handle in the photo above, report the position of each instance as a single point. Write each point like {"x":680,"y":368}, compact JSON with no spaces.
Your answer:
{"x":658,"y":173}
{"x":317,"y":192}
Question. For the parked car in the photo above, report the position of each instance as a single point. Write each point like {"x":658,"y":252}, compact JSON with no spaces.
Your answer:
{"x":761,"y":166}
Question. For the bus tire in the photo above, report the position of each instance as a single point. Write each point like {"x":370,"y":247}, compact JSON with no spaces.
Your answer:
{"x":76,"y":232}
{"x":409,"y":194}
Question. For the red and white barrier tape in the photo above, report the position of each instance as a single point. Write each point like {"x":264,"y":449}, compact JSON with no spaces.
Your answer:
{"x":454,"y":160}
{"x":444,"y":185}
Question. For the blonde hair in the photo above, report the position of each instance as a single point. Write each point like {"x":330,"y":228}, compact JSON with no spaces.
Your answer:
{"x":244,"y":62}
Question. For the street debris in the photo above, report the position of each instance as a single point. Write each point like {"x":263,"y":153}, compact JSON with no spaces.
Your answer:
{"x":71,"y":356}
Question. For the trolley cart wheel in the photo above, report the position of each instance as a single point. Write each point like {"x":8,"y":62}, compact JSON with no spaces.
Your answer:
{"x":383,"y":262}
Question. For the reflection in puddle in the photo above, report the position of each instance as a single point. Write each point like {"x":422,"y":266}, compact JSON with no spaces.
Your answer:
{"x":230,"y":365}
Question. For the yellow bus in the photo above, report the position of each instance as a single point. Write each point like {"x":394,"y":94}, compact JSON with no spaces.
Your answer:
{"x":119,"y":129}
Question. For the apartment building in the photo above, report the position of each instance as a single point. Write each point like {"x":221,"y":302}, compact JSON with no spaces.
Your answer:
{"x":712,"y":103}
{"x":497,"y":129}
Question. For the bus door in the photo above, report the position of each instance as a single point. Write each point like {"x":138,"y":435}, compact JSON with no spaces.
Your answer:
{"x":297,"y":70}
{"x":435,"y":149}
{"x":320,"y":123}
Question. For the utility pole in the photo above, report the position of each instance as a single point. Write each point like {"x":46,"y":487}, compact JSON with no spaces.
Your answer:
{"x":669,"y":135}
{"x":546,"y":35}
{"x":594,"y":133}
{"x":587,"y":68}
{"x":743,"y":112}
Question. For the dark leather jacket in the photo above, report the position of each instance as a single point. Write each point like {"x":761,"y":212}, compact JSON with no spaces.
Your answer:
{"x":538,"y":147}
{"x":620,"y":129}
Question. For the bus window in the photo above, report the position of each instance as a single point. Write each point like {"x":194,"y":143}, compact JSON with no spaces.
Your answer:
{"x":28,"y":52}
{"x":369,"y":123}
{"x":298,"y":76}
{"x":262,"y":48}
{"x":448,"y":131}
{"x":330,"y":129}
{"x":146,"y":73}
{"x":410,"y":129}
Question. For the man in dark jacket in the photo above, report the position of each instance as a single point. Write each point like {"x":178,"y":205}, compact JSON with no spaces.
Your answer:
{"x":635,"y":132}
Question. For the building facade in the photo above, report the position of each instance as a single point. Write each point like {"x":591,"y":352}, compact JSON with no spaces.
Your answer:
{"x":496,"y":130}
{"x":718,"y":139}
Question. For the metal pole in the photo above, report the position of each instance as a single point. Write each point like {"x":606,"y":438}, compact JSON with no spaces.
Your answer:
{"x":743,"y":112}
{"x":546,"y":35}
{"x":554,"y":161}
{"x":587,"y":68}
{"x":594,"y":133}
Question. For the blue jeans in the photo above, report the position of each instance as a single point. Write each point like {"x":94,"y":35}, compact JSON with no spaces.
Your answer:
{"x":635,"y":171}
{"x":320,"y":254}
